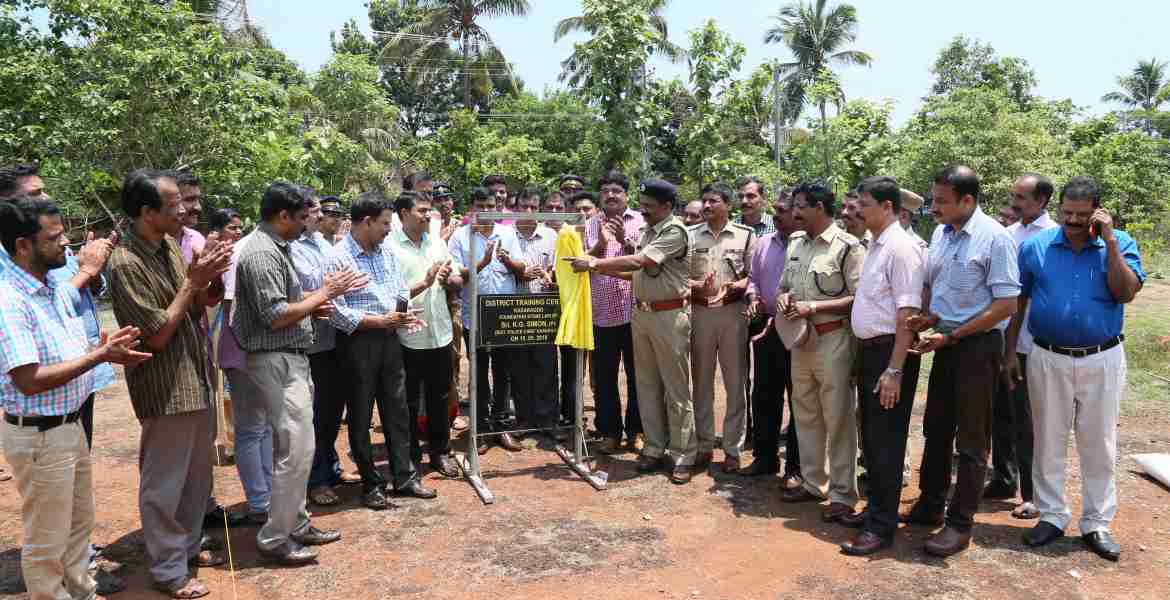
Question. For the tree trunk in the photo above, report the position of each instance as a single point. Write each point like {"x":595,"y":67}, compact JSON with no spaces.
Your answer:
{"x":825,"y":141}
{"x":466,"y":74}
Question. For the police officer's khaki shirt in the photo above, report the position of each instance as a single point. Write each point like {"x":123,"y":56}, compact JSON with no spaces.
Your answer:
{"x":667,"y":244}
{"x":827,"y":267}
{"x":727,"y":254}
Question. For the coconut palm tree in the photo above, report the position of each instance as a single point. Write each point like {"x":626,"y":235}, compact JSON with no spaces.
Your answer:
{"x":459,"y":22}
{"x":576,"y":71}
{"x":816,"y":36}
{"x":1144,"y":89}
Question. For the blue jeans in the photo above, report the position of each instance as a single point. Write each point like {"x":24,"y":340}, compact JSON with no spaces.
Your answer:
{"x":253,"y":445}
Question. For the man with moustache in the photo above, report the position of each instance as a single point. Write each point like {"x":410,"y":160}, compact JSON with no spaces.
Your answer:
{"x":372,"y":319}
{"x":271,"y":319}
{"x":1011,"y":442}
{"x":535,"y":367}
{"x":1077,"y":279}
{"x":332,"y":215}
{"x":888,"y":294}
{"x":971,"y":286}
{"x":152,"y":289}
{"x":570,"y":184}
{"x":661,"y":329}
{"x":613,"y":233}
{"x":818,"y":285}
{"x":719,"y":331}
{"x":693,"y":213}
{"x":911,"y":205}
{"x":772,"y":379}
{"x":752,"y":194}
{"x":46,"y":374}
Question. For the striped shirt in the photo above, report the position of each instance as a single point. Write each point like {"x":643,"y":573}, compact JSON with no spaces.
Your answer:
{"x":540,"y":250}
{"x":39,"y":326}
{"x":970,"y":267}
{"x":381,"y":295}
{"x":613,"y":297}
{"x":266,"y":284}
{"x":145,"y":277}
{"x":764,"y":227}
{"x":85,"y":306}
{"x":310,"y":255}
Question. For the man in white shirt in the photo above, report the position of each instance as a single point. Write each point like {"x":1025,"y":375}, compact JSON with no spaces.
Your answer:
{"x":1011,"y":444}
{"x":889,"y":293}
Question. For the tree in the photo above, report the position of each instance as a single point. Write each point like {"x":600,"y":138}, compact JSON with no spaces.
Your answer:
{"x":1133,"y":170}
{"x":566,"y":127}
{"x":714,"y":57}
{"x":816,"y":36}
{"x":970,"y":63}
{"x":1144,"y":89}
{"x":458,"y":21}
{"x":576,"y":71}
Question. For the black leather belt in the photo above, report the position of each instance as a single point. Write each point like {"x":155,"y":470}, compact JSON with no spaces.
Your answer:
{"x":1082,"y":351}
{"x":43,"y":423}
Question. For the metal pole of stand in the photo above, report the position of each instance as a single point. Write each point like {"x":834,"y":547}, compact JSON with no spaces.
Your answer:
{"x":470,"y":462}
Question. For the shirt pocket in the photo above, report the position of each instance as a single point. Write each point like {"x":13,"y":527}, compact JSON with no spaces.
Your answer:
{"x":828,"y":280}
{"x":736,"y":259}
{"x":75,"y":331}
{"x":968,"y":276}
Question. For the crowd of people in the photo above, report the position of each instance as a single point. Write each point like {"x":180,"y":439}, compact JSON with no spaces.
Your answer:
{"x":323,"y":313}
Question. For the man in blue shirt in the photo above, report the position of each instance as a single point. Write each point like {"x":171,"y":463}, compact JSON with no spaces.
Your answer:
{"x":971,"y":286}
{"x":1077,"y":278}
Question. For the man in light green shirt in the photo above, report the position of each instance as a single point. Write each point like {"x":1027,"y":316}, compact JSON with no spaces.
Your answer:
{"x":428,"y":270}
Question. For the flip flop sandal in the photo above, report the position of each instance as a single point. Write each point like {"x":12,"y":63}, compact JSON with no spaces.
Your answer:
{"x":350,"y":478}
{"x":188,"y":589}
{"x":324,"y":496}
{"x":207,"y":558}
{"x":1030,"y":512}
{"x":5,"y":475}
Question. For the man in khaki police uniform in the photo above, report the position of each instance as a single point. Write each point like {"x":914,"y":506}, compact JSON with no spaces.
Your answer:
{"x":662,"y":331}
{"x":818,"y":284}
{"x":719,"y":267}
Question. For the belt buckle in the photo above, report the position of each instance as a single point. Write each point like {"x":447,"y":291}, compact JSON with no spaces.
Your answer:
{"x":1079,"y":352}
{"x":643,"y":306}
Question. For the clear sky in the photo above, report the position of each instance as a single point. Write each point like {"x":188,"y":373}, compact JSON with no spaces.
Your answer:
{"x":1077,"y":48}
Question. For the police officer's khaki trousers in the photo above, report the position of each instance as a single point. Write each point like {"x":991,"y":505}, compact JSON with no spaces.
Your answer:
{"x":662,"y":347}
{"x":721,"y":334}
{"x":826,"y":416}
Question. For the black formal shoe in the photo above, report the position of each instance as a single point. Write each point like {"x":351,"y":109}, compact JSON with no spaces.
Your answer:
{"x":291,"y":554}
{"x":509,"y":443}
{"x":921,"y":515}
{"x":312,"y":536}
{"x":866,"y":543}
{"x":415,"y":489}
{"x":375,"y":499}
{"x":209,"y":544}
{"x":681,"y":475}
{"x":760,"y":466}
{"x":998,"y":490}
{"x":215,"y":518}
{"x":444,"y":465}
{"x":853,"y":520}
{"x":799,"y":495}
{"x":948,"y":542}
{"x":649,"y":464}
{"x":1103,"y":544}
{"x":1042,"y":534}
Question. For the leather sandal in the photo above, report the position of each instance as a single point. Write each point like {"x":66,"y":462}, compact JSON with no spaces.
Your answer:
{"x":184,"y":589}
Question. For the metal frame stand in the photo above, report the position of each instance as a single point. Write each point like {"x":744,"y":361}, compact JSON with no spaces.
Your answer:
{"x":577,"y":459}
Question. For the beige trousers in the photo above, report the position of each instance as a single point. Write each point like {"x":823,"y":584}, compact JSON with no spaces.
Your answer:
{"x":720,"y":335}
{"x":825,"y":408}
{"x":662,"y":347}
{"x":53,"y":476}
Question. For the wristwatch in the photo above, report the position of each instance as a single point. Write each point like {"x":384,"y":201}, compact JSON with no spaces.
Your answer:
{"x":894,"y":372}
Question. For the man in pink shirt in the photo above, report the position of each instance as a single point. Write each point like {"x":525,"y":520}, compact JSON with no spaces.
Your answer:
{"x":614,"y":231}
{"x":191,"y":198}
{"x":888,"y":294}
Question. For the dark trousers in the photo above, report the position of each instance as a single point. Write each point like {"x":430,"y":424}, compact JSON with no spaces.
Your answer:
{"x":534,"y":384}
{"x":491,"y":395}
{"x":1011,"y":442}
{"x":568,"y":376}
{"x":87,"y":420}
{"x":328,"y":404}
{"x":883,"y":435}
{"x":958,"y":416}
{"x":373,"y":363}
{"x":611,"y":346}
{"x":771,"y":382}
{"x":428,"y":379}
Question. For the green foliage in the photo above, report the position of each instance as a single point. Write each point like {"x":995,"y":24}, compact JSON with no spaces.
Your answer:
{"x":714,"y":58}
{"x":1133,"y":170}
{"x":862,"y":141}
{"x":969,"y":64}
{"x":517,"y":157}
{"x":566,"y":127}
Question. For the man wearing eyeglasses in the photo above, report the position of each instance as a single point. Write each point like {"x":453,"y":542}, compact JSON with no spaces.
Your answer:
{"x":818,"y":284}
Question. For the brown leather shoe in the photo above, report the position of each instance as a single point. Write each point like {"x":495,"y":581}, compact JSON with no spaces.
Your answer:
{"x":681,"y":475}
{"x":835,"y":511}
{"x":920,"y":515}
{"x":852,"y":520}
{"x":649,"y":464}
{"x":948,"y":542}
{"x":730,"y":464}
{"x":865,"y":543}
{"x":799,"y":495}
{"x":509,"y":443}
{"x":610,"y":446}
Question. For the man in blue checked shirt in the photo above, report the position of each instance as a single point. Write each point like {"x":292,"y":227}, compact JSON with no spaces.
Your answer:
{"x":45,"y":377}
{"x":1077,"y":278}
{"x":368,"y":321}
{"x":496,"y":272}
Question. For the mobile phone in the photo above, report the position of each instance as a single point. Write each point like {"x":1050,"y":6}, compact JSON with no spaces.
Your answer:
{"x":1092,"y":230}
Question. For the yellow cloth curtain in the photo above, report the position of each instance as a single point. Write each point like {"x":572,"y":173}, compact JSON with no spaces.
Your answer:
{"x":576,"y":326}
